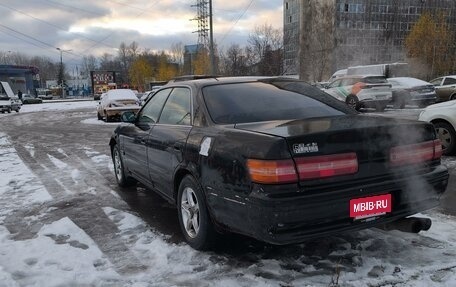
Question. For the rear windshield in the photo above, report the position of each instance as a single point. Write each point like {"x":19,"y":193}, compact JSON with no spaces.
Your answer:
{"x":267,"y":101}
{"x":375,"y":80}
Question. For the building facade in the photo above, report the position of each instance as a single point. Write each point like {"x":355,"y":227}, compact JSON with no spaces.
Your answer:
{"x":363,"y":32}
{"x":24,"y":78}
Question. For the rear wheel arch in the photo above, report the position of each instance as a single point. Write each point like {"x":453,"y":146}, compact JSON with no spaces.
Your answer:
{"x":178,"y":177}
{"x":453,"y":96}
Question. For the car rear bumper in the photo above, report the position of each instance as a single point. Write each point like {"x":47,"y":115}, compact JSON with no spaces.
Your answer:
{"x":293,"y":219}
{"x":117,"y":112}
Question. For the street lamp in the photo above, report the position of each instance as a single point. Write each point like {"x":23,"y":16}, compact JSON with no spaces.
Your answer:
{"x":61,"y":69}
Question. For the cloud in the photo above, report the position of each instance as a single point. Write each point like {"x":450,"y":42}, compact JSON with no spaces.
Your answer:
{"x":96,"y":27}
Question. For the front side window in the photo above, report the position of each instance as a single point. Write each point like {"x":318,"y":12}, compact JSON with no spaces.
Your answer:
{"x":436,"y":82}
{"x":334,"y":84}
{"x":177,"y":110}
{"x":151,"y":111}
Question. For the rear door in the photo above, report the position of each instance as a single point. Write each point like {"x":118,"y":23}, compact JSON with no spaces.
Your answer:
{"x":168,"y":139}
{"x":447,"y":89}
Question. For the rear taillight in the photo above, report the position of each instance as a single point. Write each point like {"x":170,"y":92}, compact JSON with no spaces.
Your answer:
{"x":415,"y":153}
{"x":314,"y":167}
{"x":272,"y":171}
{"x":326,"y":166}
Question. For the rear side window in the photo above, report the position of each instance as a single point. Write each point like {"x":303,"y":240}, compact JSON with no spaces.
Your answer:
{"x":374,"y":80}
{"x":449,"y":81}
{"x":262,"y":101}
{"x":177,"y":110}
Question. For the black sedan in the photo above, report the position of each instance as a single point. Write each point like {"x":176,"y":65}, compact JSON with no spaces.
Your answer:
{"x":275,"y":159}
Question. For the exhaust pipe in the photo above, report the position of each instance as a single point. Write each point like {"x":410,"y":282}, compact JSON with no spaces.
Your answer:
{"x":408,"y":224}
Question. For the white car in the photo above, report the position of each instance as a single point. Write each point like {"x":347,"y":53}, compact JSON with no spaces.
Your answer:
{"x":369,"y":91}
{"x":443,"y":116}
{"x":8,"y":100}
{"x":114,"y":102}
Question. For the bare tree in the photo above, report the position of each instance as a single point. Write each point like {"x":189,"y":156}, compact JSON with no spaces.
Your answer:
{"x":89,"y":63}
{"x":177,"y":55}
{"x":265,"y":41}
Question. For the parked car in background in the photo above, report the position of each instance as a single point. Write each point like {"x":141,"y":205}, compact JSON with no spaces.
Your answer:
{"x":443,"y":117}
{"x":8,"y":100}
{"x":275,"y":159}
{"x":445,"y":88}
{"x":16,"y":103}
{"x":361,"y":91}
{"x":44,"y":94}
{"x":114,"y":102}
{"x":148,"y":94}
{"x":338,"y":74}
{"x":29,"y":99}
{"x":412,"y":91}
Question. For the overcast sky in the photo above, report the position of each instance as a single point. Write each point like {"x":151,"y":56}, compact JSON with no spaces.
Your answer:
{"x":38,"y":27}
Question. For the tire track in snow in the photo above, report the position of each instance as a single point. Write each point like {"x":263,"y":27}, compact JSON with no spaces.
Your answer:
{"x":84,"y":209}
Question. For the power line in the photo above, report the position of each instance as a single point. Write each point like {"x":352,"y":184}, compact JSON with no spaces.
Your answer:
{"x":237,"y":20}
{"x":27,"y":36}
{"x":73,"y":7}
{"x":50,"y":24}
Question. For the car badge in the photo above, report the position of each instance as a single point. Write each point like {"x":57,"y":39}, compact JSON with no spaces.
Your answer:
{"x":305,"y":148}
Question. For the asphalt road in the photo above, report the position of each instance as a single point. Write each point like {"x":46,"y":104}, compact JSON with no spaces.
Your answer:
{"x":42,"y":137}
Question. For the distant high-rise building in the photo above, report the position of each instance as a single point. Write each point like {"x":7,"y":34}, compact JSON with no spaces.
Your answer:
{"x":323,"y":36}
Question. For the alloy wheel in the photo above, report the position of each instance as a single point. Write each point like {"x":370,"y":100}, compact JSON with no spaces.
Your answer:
{"x":190,"y":212}
{"x":444,"y":136}
{"x":117,"y":165}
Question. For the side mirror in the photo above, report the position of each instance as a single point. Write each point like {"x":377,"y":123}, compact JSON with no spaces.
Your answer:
{"x":128,"y":117}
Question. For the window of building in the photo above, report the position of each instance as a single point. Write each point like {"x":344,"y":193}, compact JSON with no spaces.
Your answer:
{"x":289,"y":19}
{"x":286,"y":5}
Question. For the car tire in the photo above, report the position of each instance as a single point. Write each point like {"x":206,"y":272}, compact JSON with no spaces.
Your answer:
{"x":9,"y":110}
{"x":194,"y":219}
{"x":453,"y":97}
{"x":100,"y":118}
{"x":398,"y":100}
{"x":380,"y":107}
{"x":352,"y":101}
{"x":447,"y":135}
{"x":119,"y":169}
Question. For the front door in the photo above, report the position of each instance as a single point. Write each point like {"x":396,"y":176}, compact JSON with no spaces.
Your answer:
{"x":168,"y":139}
{"x":136,"y":139}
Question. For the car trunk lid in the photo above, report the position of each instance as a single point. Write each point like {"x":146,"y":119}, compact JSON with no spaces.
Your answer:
{"x":371,"y":139}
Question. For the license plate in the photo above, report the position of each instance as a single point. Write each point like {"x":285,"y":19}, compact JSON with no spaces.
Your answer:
{"x":365,"y":207}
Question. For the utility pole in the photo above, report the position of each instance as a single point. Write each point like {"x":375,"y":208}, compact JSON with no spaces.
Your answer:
{"x":62,"y":72}
{"x":211,"y":39}
{"x":203,"y":17}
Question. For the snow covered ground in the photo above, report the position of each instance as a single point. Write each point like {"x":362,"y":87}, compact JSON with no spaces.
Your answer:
{"x":41,"y":246}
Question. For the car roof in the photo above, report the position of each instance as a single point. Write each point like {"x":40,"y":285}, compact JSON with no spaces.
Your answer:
{"x":121,"y":94}
{"x":410,"y":81}
{"x":225,"y":80}
{"x":359,"y":76}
